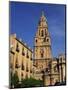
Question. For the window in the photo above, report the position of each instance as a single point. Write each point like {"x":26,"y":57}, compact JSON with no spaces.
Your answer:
{"x":55,"y":69}
{"x":42,"y":33}
{"x":27,"y":69}
{"x":23,"y":53}
{"x":39,"y":32}
{"x":47,"y":40}
{"x":22,"y":66}
{"x":61,"y":59}
{"x":45,"y":32}
{"x":16,"y":64}
{"x":44,"y":39}
{"x":42,"y":53}
{"x":46,"y":69}
{"x":22,"y":75}
{"x":17,"y":47}
{"x":30,"y":70}
{"x":31,"y":56}
{"x":36,"y":40}
{"x":49,"y":65}
{"x":27,"y":54}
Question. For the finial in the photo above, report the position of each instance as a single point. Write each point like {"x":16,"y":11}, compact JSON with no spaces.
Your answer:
{"x":42,"y":13}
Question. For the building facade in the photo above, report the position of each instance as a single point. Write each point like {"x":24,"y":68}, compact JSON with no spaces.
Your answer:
{"x":20,"y":58}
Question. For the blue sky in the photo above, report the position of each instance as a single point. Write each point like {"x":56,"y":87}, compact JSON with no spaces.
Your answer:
{"x":24,"y":18}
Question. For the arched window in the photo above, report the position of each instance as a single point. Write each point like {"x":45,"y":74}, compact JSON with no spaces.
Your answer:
{"x":47,"y":40}
{"x":36,"y":40}
{"x":44,"y":39}
{"x":45,"y":31}
{"x":42,"y":33}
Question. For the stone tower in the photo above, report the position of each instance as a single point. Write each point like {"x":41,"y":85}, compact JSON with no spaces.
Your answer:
{"x":42,"y":46}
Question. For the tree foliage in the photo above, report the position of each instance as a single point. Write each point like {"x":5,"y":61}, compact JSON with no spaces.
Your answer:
{"x":14,"y":81}
{"x":28,"y":82}
{"x":31,"y":82}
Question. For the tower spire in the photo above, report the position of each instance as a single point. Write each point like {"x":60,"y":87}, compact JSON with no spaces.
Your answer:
{"x":43,"y":20}
{"x":43,"y":15}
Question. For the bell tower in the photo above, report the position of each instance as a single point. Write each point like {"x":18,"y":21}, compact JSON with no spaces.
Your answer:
{"x":42,"y":44}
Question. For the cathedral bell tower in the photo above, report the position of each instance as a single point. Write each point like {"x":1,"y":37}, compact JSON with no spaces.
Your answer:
{"x":42,"y":45}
